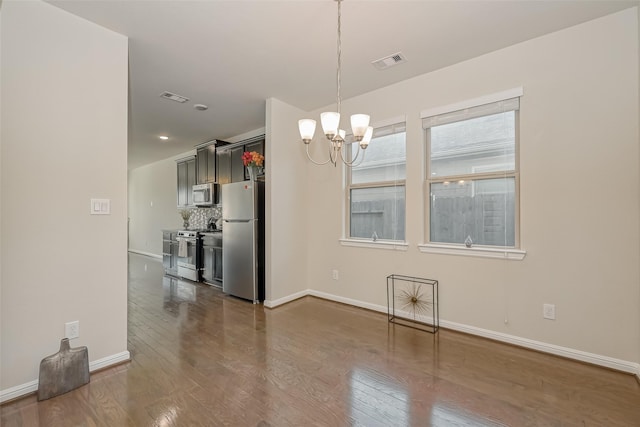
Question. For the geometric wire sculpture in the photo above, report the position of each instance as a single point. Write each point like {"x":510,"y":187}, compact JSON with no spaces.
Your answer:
{"x":413,"y":302}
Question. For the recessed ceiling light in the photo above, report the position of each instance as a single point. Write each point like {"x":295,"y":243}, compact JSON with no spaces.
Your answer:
{"x":164,"y":137}
{"x":200,"y":107}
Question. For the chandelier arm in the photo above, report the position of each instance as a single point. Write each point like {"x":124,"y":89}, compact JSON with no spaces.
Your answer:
{"x":313,"y":161}
{"x":361,"y":160}
{"x":353,"y":163}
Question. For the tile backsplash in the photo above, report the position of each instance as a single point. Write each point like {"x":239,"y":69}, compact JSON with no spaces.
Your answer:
{"x":200,"y":216}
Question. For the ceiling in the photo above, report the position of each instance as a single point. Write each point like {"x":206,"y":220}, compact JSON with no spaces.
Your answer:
{"x":233,"y":55}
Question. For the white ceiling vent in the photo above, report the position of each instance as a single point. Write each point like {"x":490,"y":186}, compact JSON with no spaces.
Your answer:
{"x":389,"y":61}
{"x":174,"y":97}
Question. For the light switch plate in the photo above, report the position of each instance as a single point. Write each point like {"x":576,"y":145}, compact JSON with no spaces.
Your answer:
{"x":100,"y":207}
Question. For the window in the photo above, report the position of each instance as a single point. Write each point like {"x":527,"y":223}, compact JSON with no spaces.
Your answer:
{"x":376,"y":187}
{"x":472,"y":175}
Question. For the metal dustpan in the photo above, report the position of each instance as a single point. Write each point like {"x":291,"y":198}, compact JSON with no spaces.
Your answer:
{"x":64,"y":371}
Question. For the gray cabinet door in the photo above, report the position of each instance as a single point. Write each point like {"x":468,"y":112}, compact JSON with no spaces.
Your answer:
{"x":182,"y":184}
{"x":223,"y":158}
{"x":257,"y":146}
{"x":206,"y":164}
{"x":191,"y":180}
{"x":202,"y":158}
{"x":238,"y":172}
{"x":186,"y":180}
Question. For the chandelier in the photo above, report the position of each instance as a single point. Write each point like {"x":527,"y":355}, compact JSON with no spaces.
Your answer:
{"x":330,"y":121}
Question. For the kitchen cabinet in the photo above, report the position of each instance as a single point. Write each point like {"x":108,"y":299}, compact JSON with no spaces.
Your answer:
{"x":237,"y":167}
{"x":229,"y":160}
{"x":211,"y":258}
{"x":206,"y":161}
{"x":170,"y":252}
{"x":186,"y":180}
{"x":257,"y":146}
{"x":223,"y":160}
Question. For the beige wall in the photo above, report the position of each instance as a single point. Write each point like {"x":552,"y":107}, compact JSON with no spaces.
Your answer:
{"x":579,"y":195}
{"x":152,"y":205}
{"x":64,"y":141}
{"x":287,"y":202}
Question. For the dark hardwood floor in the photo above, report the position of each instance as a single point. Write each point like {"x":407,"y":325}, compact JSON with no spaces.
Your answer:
{"x":200,"y":358}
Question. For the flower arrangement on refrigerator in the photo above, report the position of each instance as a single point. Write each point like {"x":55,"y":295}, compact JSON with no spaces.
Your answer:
{"x":252,"y":158}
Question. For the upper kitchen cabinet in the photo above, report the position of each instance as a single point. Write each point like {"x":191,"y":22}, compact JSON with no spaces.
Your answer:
{"x":186,"y":180}
{"x":206,"y":160}
{"x":229,"y":160}
{"x":237,"y":167}
{"x":256,"y":145}
{"x":223,"y":160}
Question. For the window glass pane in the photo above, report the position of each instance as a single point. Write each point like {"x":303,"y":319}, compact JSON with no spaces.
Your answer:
{"x":483,"y":144}
{"x":482,"y":209}
{"x":378,"y":210}
{"x":384,"y":160}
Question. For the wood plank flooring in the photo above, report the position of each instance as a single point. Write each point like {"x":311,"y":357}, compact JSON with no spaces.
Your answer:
{"x":200,"y":358}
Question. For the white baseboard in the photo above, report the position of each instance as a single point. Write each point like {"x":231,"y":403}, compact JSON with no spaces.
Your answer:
{"x":284,"y":300}
{"x":18,"y":391}
{"x":105,"y":362}
{"x":570,"y":353}
{"x":32,"y":386}
{"x":344,"y":300}
{"x":149,"y":254}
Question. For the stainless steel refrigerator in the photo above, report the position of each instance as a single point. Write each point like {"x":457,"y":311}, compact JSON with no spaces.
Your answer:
{"x":243,"y":240}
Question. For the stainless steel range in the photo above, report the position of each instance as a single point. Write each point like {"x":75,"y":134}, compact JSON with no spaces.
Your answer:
{"x":188,"y":254}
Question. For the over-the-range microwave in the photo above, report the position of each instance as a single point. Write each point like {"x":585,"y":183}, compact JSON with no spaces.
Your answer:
{"x":205,"y":194}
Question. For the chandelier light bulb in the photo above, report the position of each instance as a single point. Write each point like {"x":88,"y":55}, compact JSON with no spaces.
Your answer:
{"x":307,"y":129}
{"x":359,"y":124}
{"x":330,"y":122}
{"x":366,"y":139}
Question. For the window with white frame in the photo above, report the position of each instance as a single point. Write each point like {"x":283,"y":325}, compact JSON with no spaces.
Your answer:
{"x":376,"y":187}
{"x":472,"y":175}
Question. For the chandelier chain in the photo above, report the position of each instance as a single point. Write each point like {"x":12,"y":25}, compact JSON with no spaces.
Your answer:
{"x":339,"y":54}
{"x":337,"y":144}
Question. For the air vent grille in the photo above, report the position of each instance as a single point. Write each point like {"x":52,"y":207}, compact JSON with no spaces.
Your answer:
{"x":174,"y":97}
{"x":389,"y":61}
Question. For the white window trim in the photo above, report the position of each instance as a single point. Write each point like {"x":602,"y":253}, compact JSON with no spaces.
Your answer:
{"x":475,"y":251}
{"x":394,"y":245}
{"x":516,"y":253}
{"x":346,"y":240}
{"x":475,"y":102}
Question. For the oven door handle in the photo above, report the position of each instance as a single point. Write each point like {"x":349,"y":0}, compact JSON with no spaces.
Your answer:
{"x":189,"y":240}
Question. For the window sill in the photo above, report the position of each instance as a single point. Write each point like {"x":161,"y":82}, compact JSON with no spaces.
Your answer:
{"x":378,"y":244}
{"x":484,"y":252}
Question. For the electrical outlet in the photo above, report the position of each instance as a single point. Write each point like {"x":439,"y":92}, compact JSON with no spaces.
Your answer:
{"x":549,"y":311}
{"x":334,"y":274}
{"x":72,"y":329}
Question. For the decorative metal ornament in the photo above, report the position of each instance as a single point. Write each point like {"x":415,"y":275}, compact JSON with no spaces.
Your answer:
{"x":64,"y":371}
{"x":412,"y":299}
{"x":413,"y":302}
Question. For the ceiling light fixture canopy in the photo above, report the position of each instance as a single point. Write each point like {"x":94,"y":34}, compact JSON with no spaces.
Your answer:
{"x":330,"y":122}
